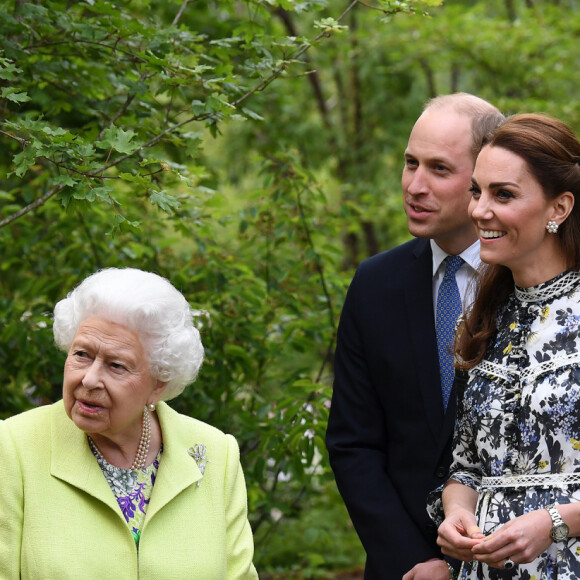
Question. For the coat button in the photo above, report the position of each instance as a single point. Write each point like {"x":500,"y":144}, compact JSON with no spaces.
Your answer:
{"x":441,"y":472}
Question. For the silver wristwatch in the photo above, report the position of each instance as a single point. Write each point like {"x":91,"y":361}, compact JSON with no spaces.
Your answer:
{"x":560,"y":530}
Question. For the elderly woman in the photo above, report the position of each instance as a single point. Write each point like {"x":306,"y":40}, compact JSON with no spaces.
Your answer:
{"x":512,"y":505}
{"x":110,"y":482}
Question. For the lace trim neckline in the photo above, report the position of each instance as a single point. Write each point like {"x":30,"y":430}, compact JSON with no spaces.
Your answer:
{"x":551,"y":289}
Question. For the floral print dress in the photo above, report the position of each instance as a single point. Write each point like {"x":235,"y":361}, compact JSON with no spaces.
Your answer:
{"x":132,"y":488}
{"x":520,"y":415}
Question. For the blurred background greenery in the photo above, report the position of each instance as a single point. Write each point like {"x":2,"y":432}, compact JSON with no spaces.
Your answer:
{"x":250,"y":151}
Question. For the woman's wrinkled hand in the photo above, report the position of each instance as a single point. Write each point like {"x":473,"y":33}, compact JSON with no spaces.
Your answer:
{"x":459,"y":534}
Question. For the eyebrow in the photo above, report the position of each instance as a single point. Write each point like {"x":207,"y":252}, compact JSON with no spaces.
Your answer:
{"x":121,"y":352}
{"x":497,"y":183}
{"x":433,"y":160}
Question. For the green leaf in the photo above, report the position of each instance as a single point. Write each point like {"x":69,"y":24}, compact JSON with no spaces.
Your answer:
{"x":118,"y":139}
{"x":14,"y":95}
{"x":23,"y":160}
{"x":64,"y":180}
{"x":8,"y":70}
{"x":252,"y":114}
{"x":330,"y":25}
{"x":165,"y":201}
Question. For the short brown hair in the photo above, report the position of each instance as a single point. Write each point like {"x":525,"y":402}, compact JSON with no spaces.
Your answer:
{"x":484,"y":116}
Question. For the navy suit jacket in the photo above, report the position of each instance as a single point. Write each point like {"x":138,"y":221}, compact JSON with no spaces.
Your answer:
{"x":388,"y":437}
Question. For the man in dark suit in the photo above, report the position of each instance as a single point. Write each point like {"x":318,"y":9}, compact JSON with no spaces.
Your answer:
{"x":389,"y":436}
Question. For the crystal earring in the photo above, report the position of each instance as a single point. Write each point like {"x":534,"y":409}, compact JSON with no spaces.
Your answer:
{"x":552,"y":227}
{"x":151,"y":407}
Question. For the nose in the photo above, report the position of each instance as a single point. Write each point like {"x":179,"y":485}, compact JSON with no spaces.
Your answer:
{"x":479,"y":209}
{"x":93,"y":378}
{"x":416,"y":181}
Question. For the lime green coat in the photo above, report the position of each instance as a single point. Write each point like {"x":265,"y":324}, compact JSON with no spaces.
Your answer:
{"x":59,"y":519}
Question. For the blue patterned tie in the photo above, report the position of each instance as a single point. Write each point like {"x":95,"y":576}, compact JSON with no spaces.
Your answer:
{"x":448,"y":310}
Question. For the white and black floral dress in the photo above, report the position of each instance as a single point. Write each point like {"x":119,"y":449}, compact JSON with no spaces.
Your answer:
{"x":520,"y":416}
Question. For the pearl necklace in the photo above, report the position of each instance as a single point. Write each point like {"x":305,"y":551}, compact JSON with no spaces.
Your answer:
{"x":144,"y":443}
{"x":140,"y":460}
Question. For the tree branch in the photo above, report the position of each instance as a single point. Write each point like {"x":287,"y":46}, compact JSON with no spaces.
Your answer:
{"x":121,"y":110}
{"x":32,"y":206}
{"x":328,"y":299}
{"x":429,"y":76}
{"x":180,"y":12}
{"x":22,"y":142}
{"x":263,"y":84}
{"x":258,"y":88}
{"x":313,"y":76}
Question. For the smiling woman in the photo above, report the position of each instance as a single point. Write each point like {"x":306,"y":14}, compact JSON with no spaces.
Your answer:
{"x":511,"y":211}
{"x":159,"y":494}
{"x":513,"y":498}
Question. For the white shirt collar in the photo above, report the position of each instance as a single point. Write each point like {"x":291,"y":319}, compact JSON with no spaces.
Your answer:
{"x":470,"y":256}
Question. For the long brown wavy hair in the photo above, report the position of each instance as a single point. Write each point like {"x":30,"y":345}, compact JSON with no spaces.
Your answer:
{"x":552,"y":155}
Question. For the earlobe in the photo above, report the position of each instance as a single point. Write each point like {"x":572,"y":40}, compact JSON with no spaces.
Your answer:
{"x":156,"y":394}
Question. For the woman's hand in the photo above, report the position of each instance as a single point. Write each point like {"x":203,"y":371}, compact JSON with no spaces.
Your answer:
{"x":521,"y":540}
{"x":459,"y":534}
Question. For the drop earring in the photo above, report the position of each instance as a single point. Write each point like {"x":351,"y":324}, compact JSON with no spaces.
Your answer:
{"x":151,"y":407}
{"x":552,"y":227}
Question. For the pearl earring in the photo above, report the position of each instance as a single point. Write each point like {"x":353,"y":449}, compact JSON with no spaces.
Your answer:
{"x":151,"y":407}
{"x":552,"y":227}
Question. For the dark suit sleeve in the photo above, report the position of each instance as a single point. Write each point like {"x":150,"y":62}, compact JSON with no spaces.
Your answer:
{"x":357,"y":441}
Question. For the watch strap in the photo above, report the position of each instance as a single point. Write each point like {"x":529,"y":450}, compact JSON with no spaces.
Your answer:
{"x":560,"y":529}
{"x":452,"y":572}
{"x":555,"y":514}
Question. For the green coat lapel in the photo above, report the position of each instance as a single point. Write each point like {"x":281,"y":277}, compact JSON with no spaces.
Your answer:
{"x":177,"y":469}
{"x":73,"y":462}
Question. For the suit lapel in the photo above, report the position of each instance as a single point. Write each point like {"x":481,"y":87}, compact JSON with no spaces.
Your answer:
{"x":72,"y":460}
{"x":419,"y":306}
{"x":178,"y":468}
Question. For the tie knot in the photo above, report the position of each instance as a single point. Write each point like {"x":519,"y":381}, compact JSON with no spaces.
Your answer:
{"x":452,"y":264}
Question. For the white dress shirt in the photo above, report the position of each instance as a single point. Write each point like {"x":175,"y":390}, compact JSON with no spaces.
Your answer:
{"x":465,"y":275}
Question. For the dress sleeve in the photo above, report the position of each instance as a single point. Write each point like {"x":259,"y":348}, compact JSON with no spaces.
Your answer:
{"x":466,"y":465}
{"x":11,"y":506}
{"x":240,"y":543}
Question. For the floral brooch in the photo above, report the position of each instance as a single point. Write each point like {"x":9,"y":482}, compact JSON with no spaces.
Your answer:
{"x":198,"y":453}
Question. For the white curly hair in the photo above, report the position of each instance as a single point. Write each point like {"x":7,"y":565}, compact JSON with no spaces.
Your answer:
{"x":147,"y":304}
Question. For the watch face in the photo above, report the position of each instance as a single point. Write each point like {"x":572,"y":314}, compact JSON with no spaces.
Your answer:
{"x":560,"y":533}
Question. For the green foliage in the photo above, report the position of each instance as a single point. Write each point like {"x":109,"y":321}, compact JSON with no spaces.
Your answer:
{"x":269,"y":311}
{"x":307,"y":547}
{"x":251,"y":153}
